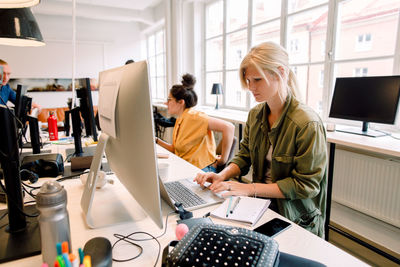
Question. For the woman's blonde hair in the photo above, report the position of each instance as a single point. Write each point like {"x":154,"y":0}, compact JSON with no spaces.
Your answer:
{"x":270,"y":56}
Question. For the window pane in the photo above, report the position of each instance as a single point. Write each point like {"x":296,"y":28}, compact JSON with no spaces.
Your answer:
{"x":151,"y":45}
{"x":160,"y":42}
{"x":214,"y":14}
{"x":152,"y":63}
{"x":305,"y":32}
{"x":236,"y":48}
{"x":370,"y":35}
{"x":214,"y":54}
{"x":236,"y":15}
{"x":235,"y":95}
{"x":266,"y":32}
{"x":297,"y":5}
{"x":311,"y":81}
{"x":153,"y":86}
{"x":161,"y":87}
{"x":265,"y":10}
{"x":370,"y":67}
{"x":211,"y":78}
{"x":160,"y":65}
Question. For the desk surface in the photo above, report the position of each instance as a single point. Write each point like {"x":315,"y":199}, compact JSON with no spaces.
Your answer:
{"x":384,"y":145}
{"x":295,"y":240}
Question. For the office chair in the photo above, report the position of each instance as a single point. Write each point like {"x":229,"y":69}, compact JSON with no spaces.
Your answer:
{"x":231,"y":153}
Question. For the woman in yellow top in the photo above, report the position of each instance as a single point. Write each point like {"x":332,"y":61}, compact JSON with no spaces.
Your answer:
{"x":193,"y":139}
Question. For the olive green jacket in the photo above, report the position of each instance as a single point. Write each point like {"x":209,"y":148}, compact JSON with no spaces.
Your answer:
{"x":299,"y":160}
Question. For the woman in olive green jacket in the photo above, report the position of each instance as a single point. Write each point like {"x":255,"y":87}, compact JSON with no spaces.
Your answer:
{"x":284,"y":141}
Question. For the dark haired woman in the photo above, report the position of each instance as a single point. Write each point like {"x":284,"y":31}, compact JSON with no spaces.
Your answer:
{"x":193,"y":139}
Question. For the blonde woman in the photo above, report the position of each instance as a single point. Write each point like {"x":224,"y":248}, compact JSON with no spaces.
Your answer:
{"x":193,"y":138}
{"x":284,"y":141}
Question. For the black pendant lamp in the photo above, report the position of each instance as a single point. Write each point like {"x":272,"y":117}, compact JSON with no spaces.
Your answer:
{"x":18,"y":3}
{"x":18,"y":27}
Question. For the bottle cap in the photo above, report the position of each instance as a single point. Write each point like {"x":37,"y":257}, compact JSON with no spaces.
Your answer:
{"x":51,"y":193}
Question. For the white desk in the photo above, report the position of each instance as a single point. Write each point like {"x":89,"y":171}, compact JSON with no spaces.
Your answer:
{"x":295,"y":240}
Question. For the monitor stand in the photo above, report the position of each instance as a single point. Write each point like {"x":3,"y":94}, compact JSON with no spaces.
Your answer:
{"x":21,"y":244}
{"x":112,"y":211}
{"x":364,"y":131}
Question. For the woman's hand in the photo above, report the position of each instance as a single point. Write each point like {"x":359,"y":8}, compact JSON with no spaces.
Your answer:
{"x":232,"y":188}
{"x":210,"y":177}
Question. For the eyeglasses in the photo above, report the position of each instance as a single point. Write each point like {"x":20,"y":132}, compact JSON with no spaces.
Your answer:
{"x":169,"y":99}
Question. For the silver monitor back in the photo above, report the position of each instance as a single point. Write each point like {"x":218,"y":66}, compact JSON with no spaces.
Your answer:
{"x":127,"y":137}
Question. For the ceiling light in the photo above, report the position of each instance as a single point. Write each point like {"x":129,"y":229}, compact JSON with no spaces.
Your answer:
{"x":18,"y":27}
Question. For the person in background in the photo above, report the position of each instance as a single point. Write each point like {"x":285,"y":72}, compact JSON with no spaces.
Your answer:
{"x":193,"y":139}
{"x":129,"y":61}
{"x":6,"y":93}
{"x":284,"y":141}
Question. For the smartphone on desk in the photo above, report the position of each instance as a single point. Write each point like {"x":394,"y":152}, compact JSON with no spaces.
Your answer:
{"x":273,"y":227}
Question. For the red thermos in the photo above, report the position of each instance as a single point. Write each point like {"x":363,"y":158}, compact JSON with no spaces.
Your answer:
{"x":52,"y":126}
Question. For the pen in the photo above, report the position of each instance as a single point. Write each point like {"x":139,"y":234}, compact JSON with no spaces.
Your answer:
{"x":87,"y":261}
{"x":81,"y":255}
{"x":235,"y":204}
{"x":229,"y":206}
{"x":59,"y":248}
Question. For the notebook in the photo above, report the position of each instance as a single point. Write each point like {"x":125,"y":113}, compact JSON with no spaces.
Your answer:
{"x":202,"y":196}
{"x":242,"y":209}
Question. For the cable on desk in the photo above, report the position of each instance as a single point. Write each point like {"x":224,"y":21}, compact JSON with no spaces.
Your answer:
{"x":4,"y":215}
{"x":70,"y":177}
{"x":15,"y":204}
{"x":132,"y":241}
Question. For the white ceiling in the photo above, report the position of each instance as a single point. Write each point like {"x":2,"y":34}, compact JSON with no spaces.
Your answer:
{"x":112,"y":10}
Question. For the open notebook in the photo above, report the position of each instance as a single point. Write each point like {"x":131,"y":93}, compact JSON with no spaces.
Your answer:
{"x":242,"y":209}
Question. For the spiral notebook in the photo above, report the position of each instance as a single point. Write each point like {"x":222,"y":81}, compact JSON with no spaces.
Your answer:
{"x":242,"y":209}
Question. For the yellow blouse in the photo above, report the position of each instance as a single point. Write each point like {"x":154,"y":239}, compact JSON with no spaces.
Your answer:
{"x":192,"y":140}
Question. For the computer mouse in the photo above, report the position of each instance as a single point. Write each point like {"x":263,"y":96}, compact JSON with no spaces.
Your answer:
{"x":99,"y":249}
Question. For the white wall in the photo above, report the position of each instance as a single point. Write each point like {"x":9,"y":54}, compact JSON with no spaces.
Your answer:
{"x":100,"y":45}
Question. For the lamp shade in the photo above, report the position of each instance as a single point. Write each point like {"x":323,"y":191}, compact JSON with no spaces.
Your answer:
{"x":18,"y":3}
{"x":18,"y":27}
{"x":216,"y":89}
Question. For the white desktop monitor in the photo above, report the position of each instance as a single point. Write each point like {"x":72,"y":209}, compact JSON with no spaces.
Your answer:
{"x":126,"y":119}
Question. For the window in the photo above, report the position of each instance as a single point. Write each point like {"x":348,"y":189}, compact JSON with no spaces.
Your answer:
{"x":360,"y":72}
{"x":321,"y":79}
{"x":294,"y":46}
{"x":362,"y":42}
{"x":156,"y":59}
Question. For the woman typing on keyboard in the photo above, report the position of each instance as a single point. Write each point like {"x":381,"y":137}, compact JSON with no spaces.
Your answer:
{"x":284,"y":141}
{"x":193,"y":139}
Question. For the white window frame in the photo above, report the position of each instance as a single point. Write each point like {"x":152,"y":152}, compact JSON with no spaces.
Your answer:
{"x":329,"y":60}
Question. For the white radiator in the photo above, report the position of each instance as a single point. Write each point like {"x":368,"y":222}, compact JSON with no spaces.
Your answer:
{"x":368,"y":184}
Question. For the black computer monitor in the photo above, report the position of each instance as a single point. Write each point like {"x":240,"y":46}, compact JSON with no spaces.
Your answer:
{"x":84,"y":94}
{"x":35,"y":134}
{"x":21,"y":238}
{"x":366,"y":99}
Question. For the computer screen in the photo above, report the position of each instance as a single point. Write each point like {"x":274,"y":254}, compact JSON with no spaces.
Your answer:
{"x":366,"y":99}
{"x":84,"y":94}
{"x":126,"y":118}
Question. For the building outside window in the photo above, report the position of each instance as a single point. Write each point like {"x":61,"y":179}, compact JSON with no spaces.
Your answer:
{"x":360,"y":72}
{"x":233,"y":27}
{"x":364,"y":42}
{"x":156,"y":60}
